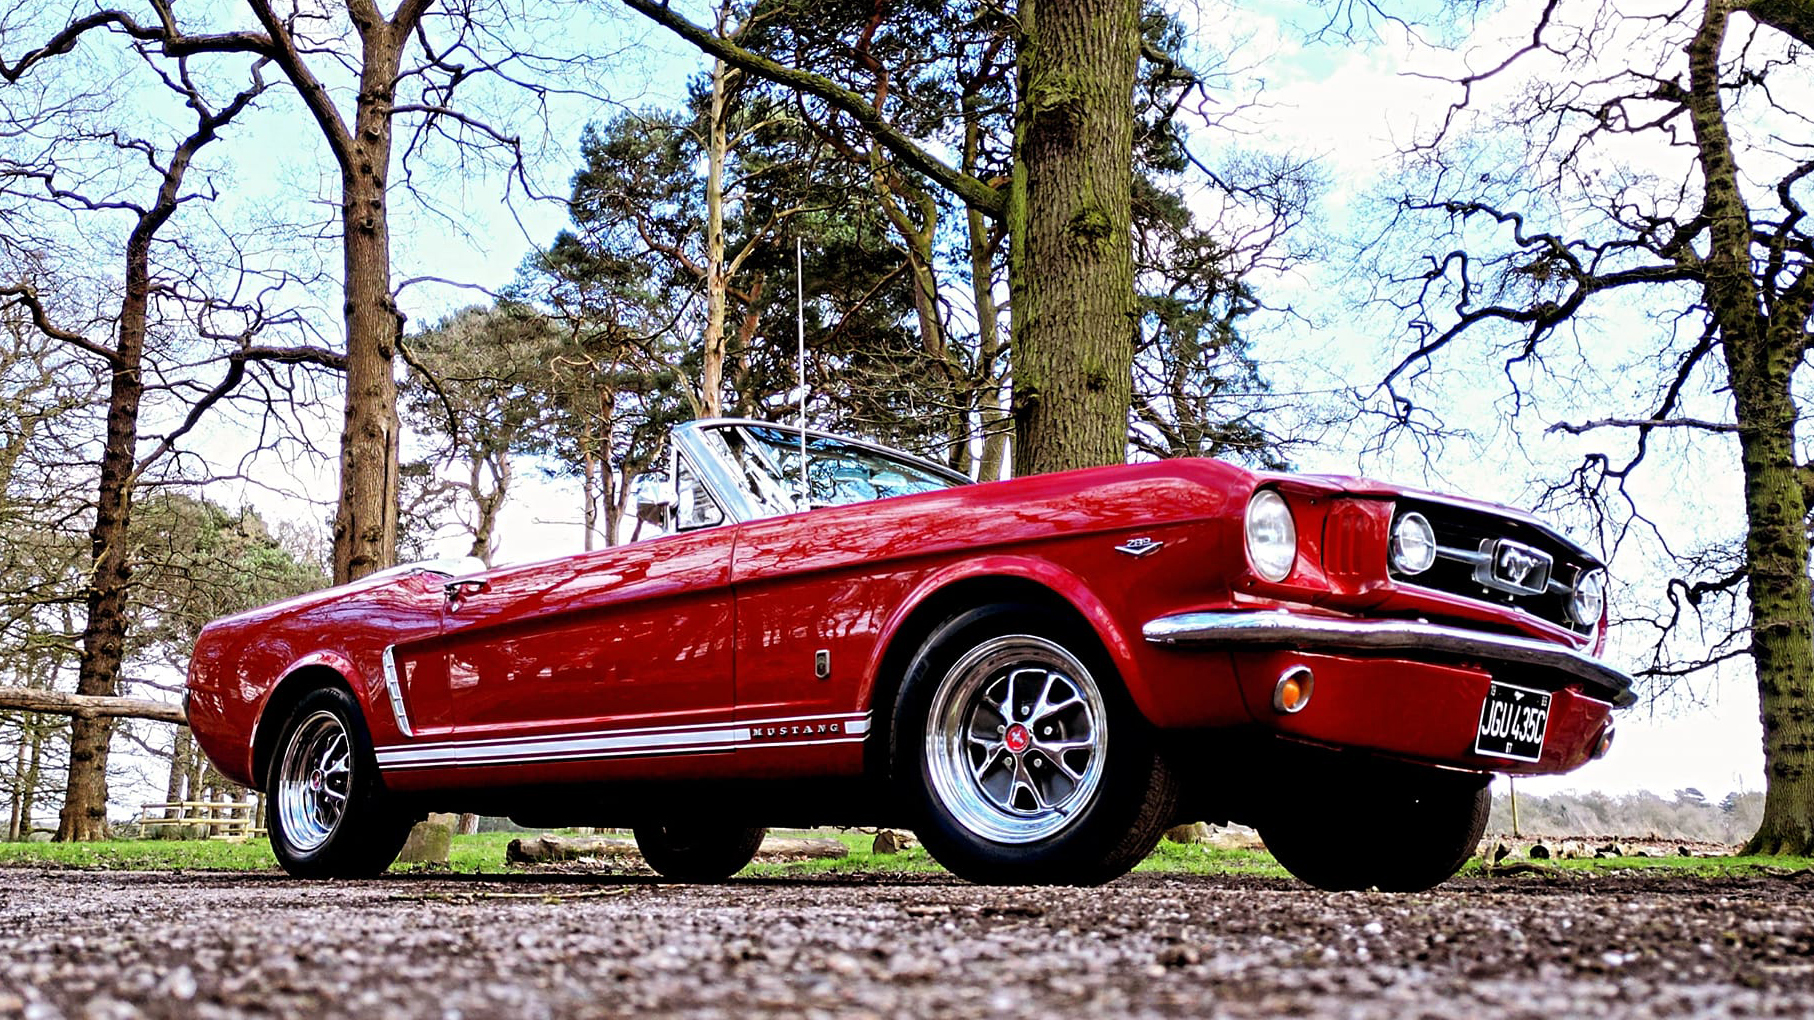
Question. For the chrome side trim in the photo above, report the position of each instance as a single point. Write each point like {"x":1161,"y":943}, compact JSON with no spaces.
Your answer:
{"x":787,"y":731}
{"x":1313,"y":632}
{"x":394,"y":688}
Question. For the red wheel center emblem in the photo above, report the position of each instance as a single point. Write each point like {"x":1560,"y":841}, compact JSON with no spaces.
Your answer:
{"x":315,"y":781}
{"x":1017,"y":738}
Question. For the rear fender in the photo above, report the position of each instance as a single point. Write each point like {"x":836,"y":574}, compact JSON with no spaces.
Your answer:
{"x":312,"y":671}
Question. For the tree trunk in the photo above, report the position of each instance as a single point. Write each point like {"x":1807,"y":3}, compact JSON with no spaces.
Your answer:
{"x":1761,"y":357}
{"x":193,"y":782}
{"x":84,"y":814}
{"x":365,"y":526}
{"x":711,"y":371}
{"x":916,"y":241}
{"x":1069,"y":225}
{"x":747,"y":328}
{"x":175,"y":790}
{"x":18,"y":794}
{"x":28,"y":793}
{"x":611,"y":499}
{"x":487,"y":505}
{"x":992,"y":417}
{"x":588,"y":494}
{"x":1782,"y":621}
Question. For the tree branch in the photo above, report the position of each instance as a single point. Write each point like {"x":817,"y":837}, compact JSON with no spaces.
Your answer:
{"x":24,"y":294}
{"x":173,"y":41}
{"x":971,"y":190}
{"x":314,"y":95}
{"x":1794,"y":18}
{"x":1574,"y":429}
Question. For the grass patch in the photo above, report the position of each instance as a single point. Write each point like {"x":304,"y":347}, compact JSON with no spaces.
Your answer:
{"x":145,"y":855}
{"x":1700,"y":867}
{"x":484,"y":853}
{"x":860,"y":862}
{"x":1201,"y":859}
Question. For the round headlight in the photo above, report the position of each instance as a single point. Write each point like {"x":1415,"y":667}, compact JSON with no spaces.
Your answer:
{"x":1589,"y":598}
{"x":1272,"y":538}
{"x":1413,"y":547}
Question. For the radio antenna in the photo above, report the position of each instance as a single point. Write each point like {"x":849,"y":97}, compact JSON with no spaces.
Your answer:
{"x":800,"y":331}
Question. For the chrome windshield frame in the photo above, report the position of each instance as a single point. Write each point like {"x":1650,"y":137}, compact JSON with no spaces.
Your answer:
{"x":692,"y":441}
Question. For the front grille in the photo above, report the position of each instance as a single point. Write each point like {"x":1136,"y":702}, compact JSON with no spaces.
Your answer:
{"x":1345,"y":537}
{"x":1466,"y":538}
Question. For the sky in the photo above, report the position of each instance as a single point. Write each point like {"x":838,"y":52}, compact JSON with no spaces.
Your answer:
{"x":1350,"y":106}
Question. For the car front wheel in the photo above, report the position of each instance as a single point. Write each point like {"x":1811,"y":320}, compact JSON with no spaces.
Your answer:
{"x":327,"y":812}
{"x":1021,"y":755}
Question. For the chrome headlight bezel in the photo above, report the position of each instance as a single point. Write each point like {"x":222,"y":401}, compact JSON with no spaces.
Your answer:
{"x":1411,"y":550}
{"x":1271,"y":536}
{"x":1587,"y":599}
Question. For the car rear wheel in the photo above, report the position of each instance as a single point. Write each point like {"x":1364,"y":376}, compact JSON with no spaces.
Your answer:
{"x":327,"y":812}
{"x":698,"y":852}
{"x":1022,"y":757}
{"x":1396,"y":832}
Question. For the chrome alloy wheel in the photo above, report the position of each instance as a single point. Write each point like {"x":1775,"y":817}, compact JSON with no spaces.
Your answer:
{"x":1016,"y":739}
{"x":314,"y":781}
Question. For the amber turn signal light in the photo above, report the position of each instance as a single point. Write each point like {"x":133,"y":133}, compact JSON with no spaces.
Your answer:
{"x":1605,"y":743}
{"x":1292,"y":692}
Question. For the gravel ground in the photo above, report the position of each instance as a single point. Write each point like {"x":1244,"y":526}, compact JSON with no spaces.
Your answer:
{"x":118,"y":945}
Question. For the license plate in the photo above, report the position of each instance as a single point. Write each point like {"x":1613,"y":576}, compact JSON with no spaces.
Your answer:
{"x":1512,"y":723}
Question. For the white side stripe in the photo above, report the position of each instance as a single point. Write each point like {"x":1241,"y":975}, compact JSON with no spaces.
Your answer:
{"x":791,"y":731}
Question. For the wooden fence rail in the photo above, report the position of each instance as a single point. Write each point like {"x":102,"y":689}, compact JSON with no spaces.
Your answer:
{"x":226,"y":819}
{"x":30,"y":699}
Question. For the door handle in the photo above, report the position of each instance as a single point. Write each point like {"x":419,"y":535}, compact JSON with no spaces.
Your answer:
{"x":457,"y":590}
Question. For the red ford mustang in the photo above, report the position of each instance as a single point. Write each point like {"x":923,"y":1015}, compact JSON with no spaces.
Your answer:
{"x":1036,"y":675}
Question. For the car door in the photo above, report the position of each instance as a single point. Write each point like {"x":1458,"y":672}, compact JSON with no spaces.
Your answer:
{"x":619,"y":653}
{"x":813,"y":592}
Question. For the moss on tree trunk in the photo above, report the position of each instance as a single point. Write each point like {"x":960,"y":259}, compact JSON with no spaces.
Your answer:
{"x":1071,"y":269}
{"x":1761,"y":355}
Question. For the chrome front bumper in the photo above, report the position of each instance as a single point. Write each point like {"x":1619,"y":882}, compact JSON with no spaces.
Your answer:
{"x":1287,"y":630}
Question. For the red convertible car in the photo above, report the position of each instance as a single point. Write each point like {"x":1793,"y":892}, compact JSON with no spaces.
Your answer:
{"x":1038,"y":676}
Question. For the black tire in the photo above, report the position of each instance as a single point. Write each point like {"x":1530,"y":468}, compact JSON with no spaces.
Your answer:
{"x":698,"y":852}
{"x":1397,"y":833}
{"x":310,"y":841}
{"x":1085,"y":796}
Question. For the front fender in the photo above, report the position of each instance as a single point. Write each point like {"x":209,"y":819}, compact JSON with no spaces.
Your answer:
{"x":1116,"y":638}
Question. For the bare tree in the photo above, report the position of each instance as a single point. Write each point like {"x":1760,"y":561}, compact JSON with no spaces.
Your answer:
{"x":408,"y":75}
{"x":1519,"y":252}
{"x":122,"y":358}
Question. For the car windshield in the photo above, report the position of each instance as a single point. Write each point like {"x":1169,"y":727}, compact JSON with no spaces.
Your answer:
{"x":837,"y":472}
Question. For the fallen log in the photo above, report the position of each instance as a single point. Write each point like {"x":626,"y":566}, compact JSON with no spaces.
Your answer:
{"x":555,"y":849}
{"x":87,"y":706}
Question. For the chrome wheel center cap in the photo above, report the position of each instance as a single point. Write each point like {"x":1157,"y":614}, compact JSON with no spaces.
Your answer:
{"x":1017,"y":738}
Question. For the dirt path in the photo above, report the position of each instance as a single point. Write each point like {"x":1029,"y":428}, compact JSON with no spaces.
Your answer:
{"x":120,"y":945}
